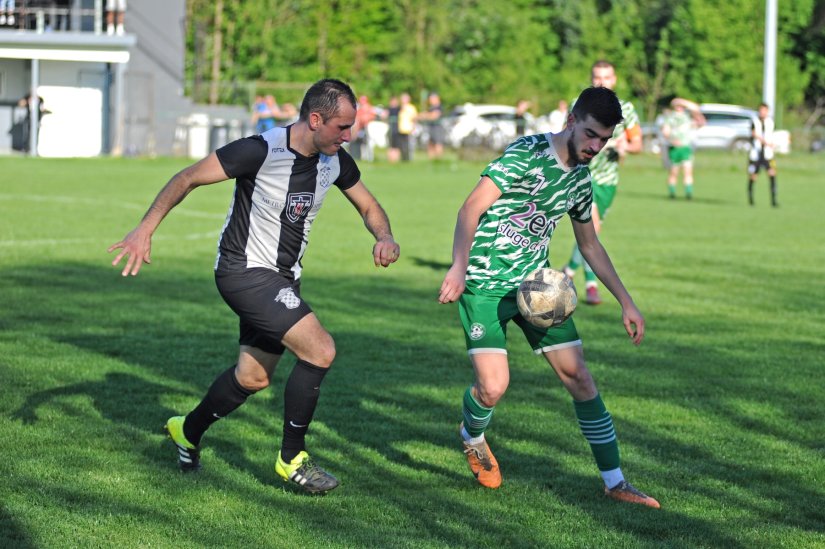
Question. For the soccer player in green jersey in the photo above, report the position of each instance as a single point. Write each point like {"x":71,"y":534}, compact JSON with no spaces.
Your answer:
{"x":604,"y":170}
{"x":503,"y":233}
{"x":678,"y":129}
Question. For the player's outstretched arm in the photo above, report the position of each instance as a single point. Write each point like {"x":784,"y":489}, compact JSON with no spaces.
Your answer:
{"x":386,"y":251}
{"x":596,"y":256}
{"x":481,"y":198}
{"x":136,"y":246}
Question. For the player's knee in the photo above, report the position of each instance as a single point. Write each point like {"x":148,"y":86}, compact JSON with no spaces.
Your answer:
{"x":324,"y":353}
{"x":489,"y":395}
{"x":252,"y":381}
{"x":581,"y":382}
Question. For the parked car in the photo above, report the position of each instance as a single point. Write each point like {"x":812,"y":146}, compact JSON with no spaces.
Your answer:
{"x":493,"y":126}
{"x":727,"y":127}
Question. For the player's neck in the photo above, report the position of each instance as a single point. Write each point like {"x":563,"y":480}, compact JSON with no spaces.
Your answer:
{"x":560,"y":144}
{"x":300,"y":139}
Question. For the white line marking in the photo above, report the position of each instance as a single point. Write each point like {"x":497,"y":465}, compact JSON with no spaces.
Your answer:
{"x":101,"y":202}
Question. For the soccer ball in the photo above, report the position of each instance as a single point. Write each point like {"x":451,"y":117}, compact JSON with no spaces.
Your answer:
{"x":546,"y":297}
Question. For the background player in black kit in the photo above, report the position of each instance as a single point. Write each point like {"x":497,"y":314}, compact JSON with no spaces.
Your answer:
{"x":282,"y":177}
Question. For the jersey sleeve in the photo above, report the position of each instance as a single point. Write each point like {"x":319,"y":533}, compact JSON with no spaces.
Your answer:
{"x":243,"y":157}
{"x":350,"y":174}
{"x":582,"y":208}
{"x":511,"y":166}
{"x":632,"y":128}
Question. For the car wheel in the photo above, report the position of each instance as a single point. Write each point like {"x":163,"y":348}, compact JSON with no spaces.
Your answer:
{"x":741,"y":145}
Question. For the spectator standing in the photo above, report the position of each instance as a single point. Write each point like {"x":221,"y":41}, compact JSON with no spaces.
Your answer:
{"x":435,"y":128}
{"x":361,"y":146}
{"x":521,"y":121}
{"x":7,"y":13}
{"x":406,"y":126}
{"x":558,"y":117}
{"x":115,"y":14}
{"x":261,"y":116}
{"x":391,"y":114}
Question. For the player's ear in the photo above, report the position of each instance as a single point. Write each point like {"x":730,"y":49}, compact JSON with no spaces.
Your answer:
{"x":315,"y":120}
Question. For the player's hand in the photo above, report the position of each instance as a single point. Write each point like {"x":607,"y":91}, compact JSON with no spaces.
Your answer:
{"x":453,"y":285}
{"x":385,"y":252}
{"x":137,"y":246}
{"x":634,"y":323}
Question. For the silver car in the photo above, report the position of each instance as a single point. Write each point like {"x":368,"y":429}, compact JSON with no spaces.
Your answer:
{"x":727,"y":127}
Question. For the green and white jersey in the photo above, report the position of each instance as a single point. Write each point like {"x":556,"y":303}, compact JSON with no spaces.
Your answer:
{"x":681,"y":129}
{"x":604,"y":168}
{"x":513,"y":235}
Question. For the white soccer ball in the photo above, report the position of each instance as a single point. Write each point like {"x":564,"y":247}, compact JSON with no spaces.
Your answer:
{"x":546,"y":297}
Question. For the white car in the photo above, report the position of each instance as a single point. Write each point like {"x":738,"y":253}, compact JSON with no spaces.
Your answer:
{"x":487,"y":125}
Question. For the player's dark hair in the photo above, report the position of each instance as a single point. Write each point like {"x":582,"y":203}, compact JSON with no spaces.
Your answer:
{"x":322,"y":97}
{"x":763,"y":104}
{"x":600,"y":103}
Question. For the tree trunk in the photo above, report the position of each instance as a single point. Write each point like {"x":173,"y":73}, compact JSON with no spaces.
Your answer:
{"x":217,"y":46}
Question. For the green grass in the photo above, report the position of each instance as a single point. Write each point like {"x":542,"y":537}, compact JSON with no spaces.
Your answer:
{"x":719,"y":412}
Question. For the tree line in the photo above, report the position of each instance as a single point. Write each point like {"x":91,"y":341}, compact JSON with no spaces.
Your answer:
{"x":503,"y":51}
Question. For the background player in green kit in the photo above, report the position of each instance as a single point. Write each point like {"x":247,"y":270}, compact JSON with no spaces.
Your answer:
{"x":678,"y":129}
{"x":604,"y":170}
{"x":502,"y":234}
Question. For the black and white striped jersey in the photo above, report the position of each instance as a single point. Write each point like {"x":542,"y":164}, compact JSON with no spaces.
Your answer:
{"x":278,"y":193}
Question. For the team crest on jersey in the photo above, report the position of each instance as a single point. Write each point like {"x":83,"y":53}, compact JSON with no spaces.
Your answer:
{"x":477,"y":331}
{"x":571,"y":201}
{"x":324,"y":176}
{"x":298,"y":205}
{"x":288,"y":298}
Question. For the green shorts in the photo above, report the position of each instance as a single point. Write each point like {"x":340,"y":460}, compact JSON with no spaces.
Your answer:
{"x":485,"y":319}
{"x":680,"y":155}
{"x":603,"y":196}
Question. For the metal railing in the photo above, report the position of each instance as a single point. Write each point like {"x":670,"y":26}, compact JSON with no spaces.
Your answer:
{"x":53,"y":16}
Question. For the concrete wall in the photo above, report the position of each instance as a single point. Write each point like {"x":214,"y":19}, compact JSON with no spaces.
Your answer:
{"x":154,"y":78}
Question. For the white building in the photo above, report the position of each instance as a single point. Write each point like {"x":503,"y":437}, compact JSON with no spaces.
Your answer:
{"x":104,"y":92}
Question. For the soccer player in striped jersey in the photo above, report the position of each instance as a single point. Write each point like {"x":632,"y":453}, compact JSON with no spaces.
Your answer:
{"x":604,"y":170}
{"x":503,"y":233}
{"x":281,"y":179}
{"x":761,"y":153}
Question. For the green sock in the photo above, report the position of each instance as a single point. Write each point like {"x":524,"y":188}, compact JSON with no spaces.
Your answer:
{"x":476,"y":416}
{"x":689,"y":190}
{"x":589,"y":275}
{"x":671,"y":191}
{"x":597,"y":427}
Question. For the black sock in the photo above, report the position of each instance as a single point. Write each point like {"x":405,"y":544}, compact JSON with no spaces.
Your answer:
{"x":750,"y":191}
{"x":773,"y":190}
{"x":300,"y":399}
{"x":224,"y":395}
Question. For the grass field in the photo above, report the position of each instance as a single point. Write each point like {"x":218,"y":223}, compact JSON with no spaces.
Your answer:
{"x":719,"y":413}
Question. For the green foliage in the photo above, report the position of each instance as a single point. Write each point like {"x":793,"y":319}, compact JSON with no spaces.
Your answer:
{"x":503,"y":51}
{"x":719,"y":412}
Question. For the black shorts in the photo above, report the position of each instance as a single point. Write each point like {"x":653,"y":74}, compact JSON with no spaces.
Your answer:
{"x":437,"y":134}
{"x":395,"y":139}
{"x":755,"y":165}
{"x":266,"y":302}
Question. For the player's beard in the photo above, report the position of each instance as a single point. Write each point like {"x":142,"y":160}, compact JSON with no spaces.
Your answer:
{"x":574,"y":154}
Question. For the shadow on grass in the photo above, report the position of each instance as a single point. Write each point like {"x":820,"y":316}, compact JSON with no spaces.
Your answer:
{"x":663,"y":197}
{"x":394,"y":392}
{"x":11,"y":533}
